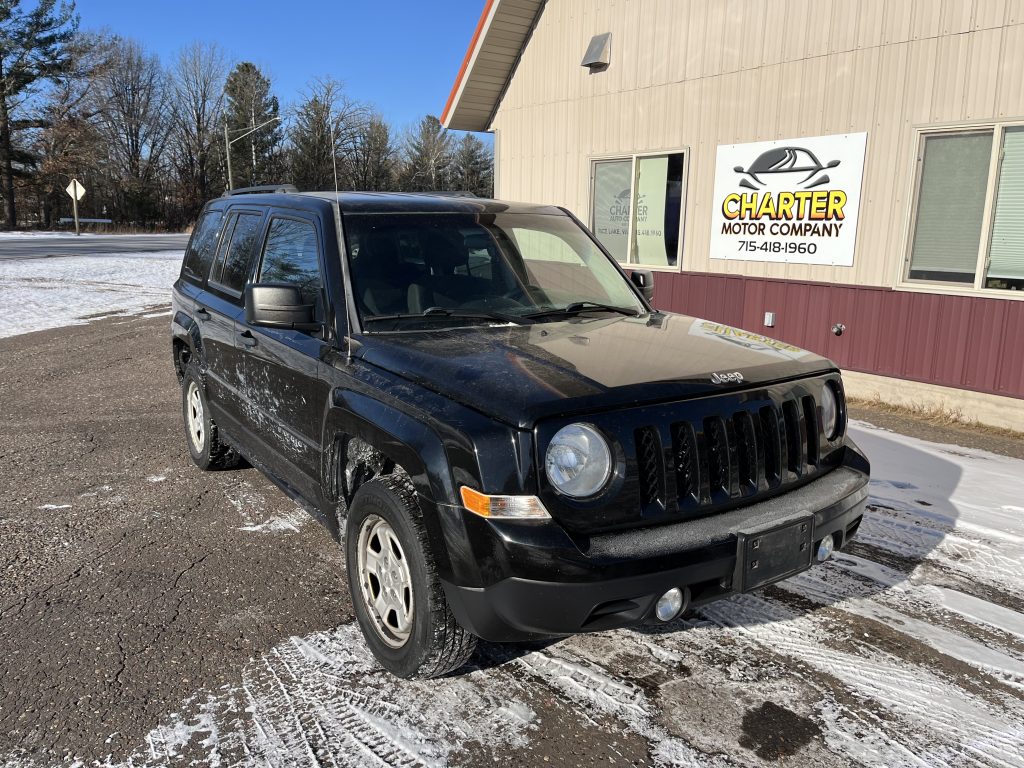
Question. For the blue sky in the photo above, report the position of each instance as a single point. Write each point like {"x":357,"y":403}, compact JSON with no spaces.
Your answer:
{"x":402,"y":55}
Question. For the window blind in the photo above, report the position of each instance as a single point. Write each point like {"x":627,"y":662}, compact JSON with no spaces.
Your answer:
{"x":951,"y":205}
{"x":1006,"y":249}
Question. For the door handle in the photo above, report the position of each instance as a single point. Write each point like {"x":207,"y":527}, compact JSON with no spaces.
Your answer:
{"x":247,"y":338}
{"x":202,"y":314}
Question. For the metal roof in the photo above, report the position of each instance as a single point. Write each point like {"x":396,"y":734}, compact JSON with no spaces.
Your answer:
{"x":501,"y":34}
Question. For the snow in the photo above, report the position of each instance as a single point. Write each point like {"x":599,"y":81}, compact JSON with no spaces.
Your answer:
{"x":53,"y":292}
{"x":32,"y":234}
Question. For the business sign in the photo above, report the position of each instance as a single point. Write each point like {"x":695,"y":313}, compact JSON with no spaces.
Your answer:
{"x":794,"y":200}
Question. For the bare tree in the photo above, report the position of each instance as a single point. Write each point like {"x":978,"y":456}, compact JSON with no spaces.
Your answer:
{"x":197,"y":86}
{"x":66,"y":143}
{"x":134,"y":121}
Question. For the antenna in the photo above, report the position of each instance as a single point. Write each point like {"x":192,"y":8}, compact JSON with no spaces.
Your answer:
{"x":334,"y":153}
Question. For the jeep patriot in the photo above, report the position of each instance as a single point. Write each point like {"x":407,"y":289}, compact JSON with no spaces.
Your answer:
{"x":509,"y":440}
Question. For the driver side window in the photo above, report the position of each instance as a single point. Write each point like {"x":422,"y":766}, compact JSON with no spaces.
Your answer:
{"x":291,"y":256}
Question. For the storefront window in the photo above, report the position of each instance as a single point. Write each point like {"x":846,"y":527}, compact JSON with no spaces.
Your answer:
{"x":612,"y":190}
{"x":1006,"y":250}
{"x":950,"y":207}
{"x":637,"y":208}
{"x":967,"y":228}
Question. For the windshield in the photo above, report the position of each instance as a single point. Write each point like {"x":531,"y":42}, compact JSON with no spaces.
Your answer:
{"x":415,"y":270}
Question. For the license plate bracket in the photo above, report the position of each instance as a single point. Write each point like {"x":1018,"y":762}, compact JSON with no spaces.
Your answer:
{"x":766,"y":555}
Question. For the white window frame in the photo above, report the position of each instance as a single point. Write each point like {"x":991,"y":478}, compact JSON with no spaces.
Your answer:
{"x":633,"y":157}
{"x":921,"y":133}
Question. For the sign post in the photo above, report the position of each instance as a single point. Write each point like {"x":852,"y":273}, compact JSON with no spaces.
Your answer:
{"x":77,"y":192}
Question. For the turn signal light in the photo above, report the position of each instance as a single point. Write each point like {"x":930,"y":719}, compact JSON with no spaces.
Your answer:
{"x":509,"y":507}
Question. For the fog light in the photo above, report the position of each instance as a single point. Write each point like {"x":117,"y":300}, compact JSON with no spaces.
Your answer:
{"x":825,"y":548}
{"x":669,"y":605}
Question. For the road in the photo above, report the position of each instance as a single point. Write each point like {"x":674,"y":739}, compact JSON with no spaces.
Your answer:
{"x":153,"y":614}
{"x":43,"y":246}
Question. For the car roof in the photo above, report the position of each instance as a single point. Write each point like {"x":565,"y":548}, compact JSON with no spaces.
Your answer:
{"x":394,"y":202}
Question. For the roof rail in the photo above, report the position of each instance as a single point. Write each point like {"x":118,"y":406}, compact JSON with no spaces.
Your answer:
{"x":267,"y":189}
{"x":446,"y":193}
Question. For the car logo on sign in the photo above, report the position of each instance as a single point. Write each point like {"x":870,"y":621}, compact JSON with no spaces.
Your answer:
{"x":727,"y":378}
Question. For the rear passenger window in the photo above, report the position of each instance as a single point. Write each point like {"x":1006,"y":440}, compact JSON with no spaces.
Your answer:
{"x":238,"y":258}
{"x":291,"y":257}
{"x":203,"y":245}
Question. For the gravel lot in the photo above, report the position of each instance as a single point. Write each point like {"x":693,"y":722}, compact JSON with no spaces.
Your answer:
{"x":153,"y":614}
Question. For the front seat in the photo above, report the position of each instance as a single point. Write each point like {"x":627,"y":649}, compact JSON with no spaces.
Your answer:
{"x":381,"y":282}
{"x":444,"y":287}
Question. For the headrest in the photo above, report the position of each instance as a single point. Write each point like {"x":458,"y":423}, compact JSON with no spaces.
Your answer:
{"x":440,"y":253}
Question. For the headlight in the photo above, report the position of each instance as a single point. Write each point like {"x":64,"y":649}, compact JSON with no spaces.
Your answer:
{"x":830,"y":412}
{"x":578,"y":461}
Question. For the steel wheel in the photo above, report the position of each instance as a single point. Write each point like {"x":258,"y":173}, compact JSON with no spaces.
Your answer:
{"x":385,"y":581}
{"x":196,"y":416}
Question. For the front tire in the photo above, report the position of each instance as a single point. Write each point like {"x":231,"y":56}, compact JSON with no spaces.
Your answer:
{"x":205,"y":447}
{"x":396,"y":593}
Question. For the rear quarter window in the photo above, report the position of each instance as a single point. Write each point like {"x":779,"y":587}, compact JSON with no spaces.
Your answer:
{"x":202,"y":247}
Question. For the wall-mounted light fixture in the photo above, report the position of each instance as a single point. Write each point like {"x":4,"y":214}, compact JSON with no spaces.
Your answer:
{"x":598,"y":54}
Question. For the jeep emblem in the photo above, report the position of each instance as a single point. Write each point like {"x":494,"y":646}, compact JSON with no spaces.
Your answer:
{"x":727,"y":378}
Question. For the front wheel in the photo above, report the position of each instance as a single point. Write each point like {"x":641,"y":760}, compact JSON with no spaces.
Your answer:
{"x":396,"y":593}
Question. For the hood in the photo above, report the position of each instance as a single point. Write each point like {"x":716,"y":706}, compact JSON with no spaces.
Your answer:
{"x":519,"y":374}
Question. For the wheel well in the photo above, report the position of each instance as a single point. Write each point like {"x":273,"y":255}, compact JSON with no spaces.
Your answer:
{"x":357,"y":462}
{"x":181,"y":354}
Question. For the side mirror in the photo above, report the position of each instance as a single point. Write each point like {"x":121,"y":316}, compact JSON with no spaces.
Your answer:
{"x":278,"y":306}
{"x":644,"y":280}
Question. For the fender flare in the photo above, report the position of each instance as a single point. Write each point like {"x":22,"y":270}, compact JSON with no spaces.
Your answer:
{"x":407,"y":442}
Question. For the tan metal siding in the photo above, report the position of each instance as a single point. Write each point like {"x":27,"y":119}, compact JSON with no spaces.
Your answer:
{"x":696,"y":74}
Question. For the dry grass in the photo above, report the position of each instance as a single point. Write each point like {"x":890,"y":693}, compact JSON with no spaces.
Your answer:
{"x":935,"y":415}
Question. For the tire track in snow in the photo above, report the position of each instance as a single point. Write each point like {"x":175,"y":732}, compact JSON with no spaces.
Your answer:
{"x":958,"y":722}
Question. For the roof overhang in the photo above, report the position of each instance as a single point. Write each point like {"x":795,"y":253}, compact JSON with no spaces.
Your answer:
{"x":499,"y":39}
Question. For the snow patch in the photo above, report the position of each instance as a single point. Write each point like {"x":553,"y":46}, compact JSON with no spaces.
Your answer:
{"x":72,"y":290}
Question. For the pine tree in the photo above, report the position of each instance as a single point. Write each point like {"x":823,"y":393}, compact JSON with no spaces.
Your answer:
{"x":372,"y":165}
{"x":311,"y":166}
{"x":473,"y":167}
{"x":325,"y":136}
{"x":33,"y":47}
{"x":428,"y":157}
{"x":250,"y":104}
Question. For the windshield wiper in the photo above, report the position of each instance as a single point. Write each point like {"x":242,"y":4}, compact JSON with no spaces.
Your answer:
{"x":443,"y":313}
{"x":583,"y":306}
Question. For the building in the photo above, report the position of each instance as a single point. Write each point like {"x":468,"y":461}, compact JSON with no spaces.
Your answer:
{"x":796,"y":168}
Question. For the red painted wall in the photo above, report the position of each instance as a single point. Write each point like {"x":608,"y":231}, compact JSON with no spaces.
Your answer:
{"x":957,"y":341}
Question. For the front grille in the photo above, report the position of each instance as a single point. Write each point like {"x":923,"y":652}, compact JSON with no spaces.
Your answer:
{"x":727,"y":457}
{"x":696,"y":457}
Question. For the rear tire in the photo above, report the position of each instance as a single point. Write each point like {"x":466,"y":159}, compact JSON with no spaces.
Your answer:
{"x":205,"y":447}
{"x":396,"y":593}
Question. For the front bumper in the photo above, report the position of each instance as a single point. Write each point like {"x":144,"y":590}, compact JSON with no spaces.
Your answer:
{"x":541,"y":583}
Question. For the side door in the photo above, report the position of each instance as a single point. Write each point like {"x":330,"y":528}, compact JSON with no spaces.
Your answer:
{"x":285,"y":392}
{"x":220,"y":311}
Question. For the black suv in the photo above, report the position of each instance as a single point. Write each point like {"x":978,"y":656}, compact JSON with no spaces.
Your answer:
{"x":511,"y":442}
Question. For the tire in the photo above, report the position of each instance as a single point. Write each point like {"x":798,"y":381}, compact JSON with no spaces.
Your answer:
{"x":205,"y":447}
{"x":424,"y":640}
